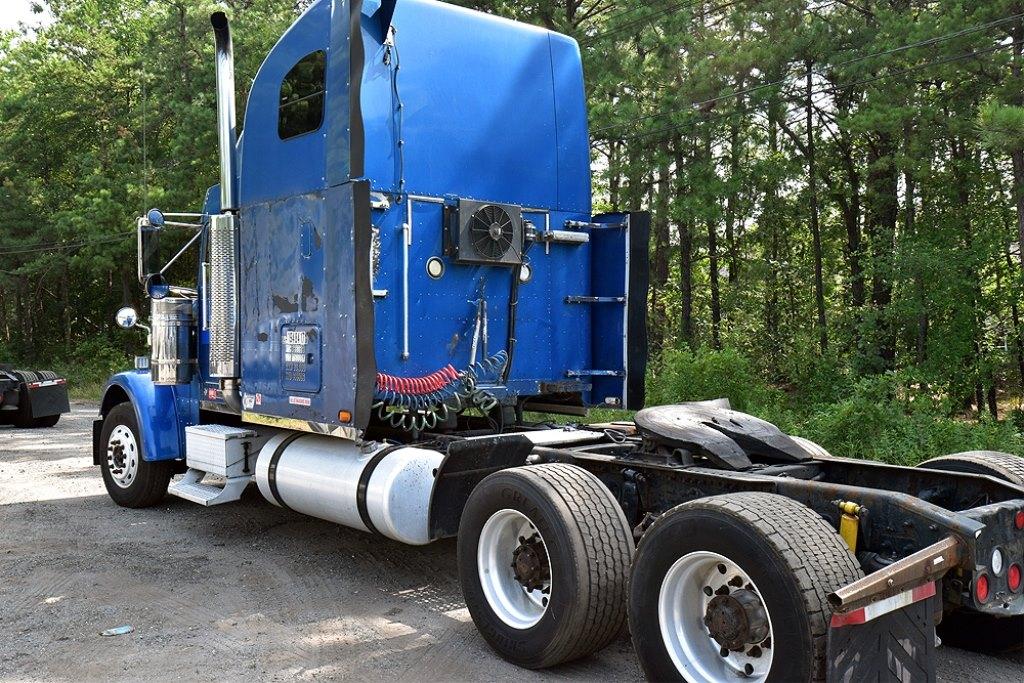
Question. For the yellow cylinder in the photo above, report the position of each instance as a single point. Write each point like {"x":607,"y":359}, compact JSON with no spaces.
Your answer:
{"x":849,"y":523}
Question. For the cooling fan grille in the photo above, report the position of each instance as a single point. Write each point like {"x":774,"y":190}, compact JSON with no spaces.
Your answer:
{"x":492,"y":232}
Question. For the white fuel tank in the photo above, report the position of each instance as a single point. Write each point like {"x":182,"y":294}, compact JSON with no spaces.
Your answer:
{"x":384,"y":487}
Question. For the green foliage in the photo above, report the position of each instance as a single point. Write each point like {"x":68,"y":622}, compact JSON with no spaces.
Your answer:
{"x":90,"y":365}
{"x":1002,"y":126}
{"x":884,"y":417}
{"x":685,"y":375}
{"x":877,"y":422}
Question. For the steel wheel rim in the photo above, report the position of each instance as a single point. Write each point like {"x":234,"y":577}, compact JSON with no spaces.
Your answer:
{"x":682,"y":605}
{"x":122,"y":456}
{"x":511,"y":601}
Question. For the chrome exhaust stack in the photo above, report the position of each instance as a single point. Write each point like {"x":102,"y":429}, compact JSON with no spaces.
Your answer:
{"x":223,"y":283}
{"x":227,"y":135}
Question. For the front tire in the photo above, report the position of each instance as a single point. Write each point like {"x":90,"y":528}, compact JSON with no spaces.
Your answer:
{"x":543,"y":558}
{"x":131,"y":481}
{"x":734,"y":587}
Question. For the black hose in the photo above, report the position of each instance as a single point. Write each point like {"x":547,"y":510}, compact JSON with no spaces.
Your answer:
{"x":513,"y":303}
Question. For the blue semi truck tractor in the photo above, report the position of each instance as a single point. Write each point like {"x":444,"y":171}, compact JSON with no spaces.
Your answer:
{"x":400,"y":260}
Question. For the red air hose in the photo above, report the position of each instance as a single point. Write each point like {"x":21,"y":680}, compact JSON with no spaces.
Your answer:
{"x":417,"y":386}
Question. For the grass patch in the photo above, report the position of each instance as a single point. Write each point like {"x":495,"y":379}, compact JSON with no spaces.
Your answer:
{"x":87,"y":367}
{"x":890,"y":417}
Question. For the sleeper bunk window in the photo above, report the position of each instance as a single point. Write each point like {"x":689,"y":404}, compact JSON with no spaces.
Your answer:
{"x":301,"y":109}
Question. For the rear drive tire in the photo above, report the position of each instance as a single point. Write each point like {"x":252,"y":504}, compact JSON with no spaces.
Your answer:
{"x":543,"y":558}
{"x":22,"y":418}
{"x":750,"y":571}
{"x":1005,"y":466}
{"x":131,"y":481}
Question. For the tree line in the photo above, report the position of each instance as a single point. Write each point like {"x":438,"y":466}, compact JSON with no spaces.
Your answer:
{"x":832,"y":182}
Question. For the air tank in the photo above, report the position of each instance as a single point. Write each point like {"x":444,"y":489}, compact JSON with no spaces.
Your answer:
{"x":373,"y":487}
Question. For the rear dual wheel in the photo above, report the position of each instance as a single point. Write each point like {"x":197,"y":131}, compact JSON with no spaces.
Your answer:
{"x":23,"y":418}
{"x":543,"y":558}
{"x":38,"y":422}
{"x":734,"y":587}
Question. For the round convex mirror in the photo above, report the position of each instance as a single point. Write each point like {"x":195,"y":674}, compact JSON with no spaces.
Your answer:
{"x":127,"y":317}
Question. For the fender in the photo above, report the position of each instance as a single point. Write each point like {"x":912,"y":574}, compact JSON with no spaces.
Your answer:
{"x":162,"y":413}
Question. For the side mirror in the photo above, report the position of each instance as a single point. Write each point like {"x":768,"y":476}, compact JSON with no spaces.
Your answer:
{"x":149,"y":229}
{"x":127,"y":318}
{"x":155,"y":218}
{"x":156,"y":286}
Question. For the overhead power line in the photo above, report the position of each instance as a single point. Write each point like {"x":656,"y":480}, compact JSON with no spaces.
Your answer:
{"x":64,"y":246}
{"x":819,"y":71}
{"x":590,"y":40}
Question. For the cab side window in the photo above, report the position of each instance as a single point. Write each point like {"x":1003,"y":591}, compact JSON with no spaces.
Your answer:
{"x":301,"y":108}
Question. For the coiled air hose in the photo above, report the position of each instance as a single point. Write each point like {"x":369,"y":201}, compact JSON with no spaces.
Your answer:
{"x":419,"y":403}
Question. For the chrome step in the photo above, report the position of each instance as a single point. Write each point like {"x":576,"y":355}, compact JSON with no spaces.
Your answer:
{"x":191,"y":487}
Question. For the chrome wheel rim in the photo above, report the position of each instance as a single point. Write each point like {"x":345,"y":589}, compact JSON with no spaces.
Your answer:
{"x":690,"y":610}
{"x":514,"y":569}
{"x":122,"y":456}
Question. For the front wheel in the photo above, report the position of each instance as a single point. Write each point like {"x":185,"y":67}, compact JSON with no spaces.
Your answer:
{"x":734,"y":587}
{"x":131,"y":481}
{"x":543,"y":559}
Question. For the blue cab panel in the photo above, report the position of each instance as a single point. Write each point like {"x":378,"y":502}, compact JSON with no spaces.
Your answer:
{"x":300,"y":309}
{"x":423,"y":106}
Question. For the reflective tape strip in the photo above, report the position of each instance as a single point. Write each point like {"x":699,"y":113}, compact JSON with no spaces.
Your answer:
{"x":875,"y":610}
{"x":46,"y":383}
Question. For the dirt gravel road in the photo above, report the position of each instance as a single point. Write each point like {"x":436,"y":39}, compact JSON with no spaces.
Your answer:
{"x":245,"y":591}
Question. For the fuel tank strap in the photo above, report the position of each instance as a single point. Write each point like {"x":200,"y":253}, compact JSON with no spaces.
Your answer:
{"x":272,"y":468}
{"x":364,"y":483}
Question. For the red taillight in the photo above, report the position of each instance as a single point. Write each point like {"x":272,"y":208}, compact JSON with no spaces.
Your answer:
{"x":1013,"y":577}
{"x":1018,"y":519}
{"x":981,"y":588}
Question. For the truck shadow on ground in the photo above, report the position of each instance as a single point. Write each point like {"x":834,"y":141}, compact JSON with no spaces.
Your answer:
{"x":244,"y":588}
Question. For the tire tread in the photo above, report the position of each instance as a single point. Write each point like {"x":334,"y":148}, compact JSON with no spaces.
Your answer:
{"x":1008,"y":466}
{"x":815,"y":553}
{"x":609,"y":548}
{"x":153,"y":478}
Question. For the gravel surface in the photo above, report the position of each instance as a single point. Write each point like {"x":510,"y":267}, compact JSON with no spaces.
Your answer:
{"x":239,"y":592}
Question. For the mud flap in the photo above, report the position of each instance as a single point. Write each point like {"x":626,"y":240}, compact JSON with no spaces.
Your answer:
{"x":896,"y":645}
{"x":466,"y":464}
{"x":47,"y":398}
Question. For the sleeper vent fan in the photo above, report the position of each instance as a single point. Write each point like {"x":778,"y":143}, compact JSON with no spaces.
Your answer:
{"x":492,"y":232}
{"x":489,"y":234}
